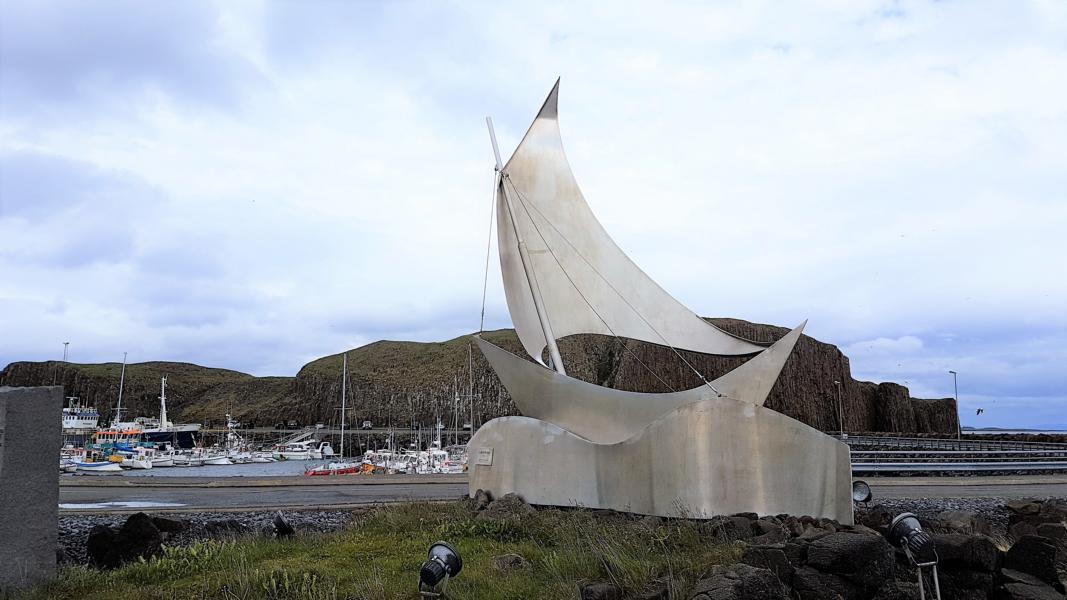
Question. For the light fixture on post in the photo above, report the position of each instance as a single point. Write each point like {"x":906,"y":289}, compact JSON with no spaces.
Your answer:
{"x":840,"y":412}
{"x":442,"y":564}
{"x":956,"y":398}
{"x":906,"y":533}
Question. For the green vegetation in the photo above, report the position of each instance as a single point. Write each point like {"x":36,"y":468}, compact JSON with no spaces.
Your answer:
{"x":379,"y":555}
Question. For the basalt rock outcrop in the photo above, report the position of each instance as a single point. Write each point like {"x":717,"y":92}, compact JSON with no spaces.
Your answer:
{"x":400,"y":382}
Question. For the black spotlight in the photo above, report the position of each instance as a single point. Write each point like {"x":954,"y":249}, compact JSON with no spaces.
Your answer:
{"x":442,"y":564}
{"x":906,"y":533}
{"x":861,"y":492}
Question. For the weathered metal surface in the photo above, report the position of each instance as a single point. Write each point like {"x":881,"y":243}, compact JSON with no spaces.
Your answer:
{"x":716,"y":456}
{"x":609,"y":416}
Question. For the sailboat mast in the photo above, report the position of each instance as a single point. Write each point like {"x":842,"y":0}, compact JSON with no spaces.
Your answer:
{"x":470,"y":390}
{"x":344,"y":390}
{"x":555,"y":359}
{"x":122,"y":380}
{"x":163,"y":403}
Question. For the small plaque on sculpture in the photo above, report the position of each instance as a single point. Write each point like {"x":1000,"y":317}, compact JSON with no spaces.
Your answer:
{"x":485,"y":457}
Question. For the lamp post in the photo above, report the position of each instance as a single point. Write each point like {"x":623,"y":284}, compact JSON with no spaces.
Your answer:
{"x":840,"y":413}
{"x":956,"y":399}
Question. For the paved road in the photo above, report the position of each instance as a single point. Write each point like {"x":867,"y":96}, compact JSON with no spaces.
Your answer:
{"x":119,"y":494}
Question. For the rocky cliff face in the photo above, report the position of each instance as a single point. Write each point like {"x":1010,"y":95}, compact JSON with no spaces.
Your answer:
{"x":396,"y":382}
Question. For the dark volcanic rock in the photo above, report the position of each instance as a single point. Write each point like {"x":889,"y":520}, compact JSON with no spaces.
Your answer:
{"x":973,"y":552}
{"x":728,"y":529}
{"x":864,"y":560}
{"x":962,"y":521}
{"x":772,"y":558}
{"x":738,"y":582}
{"x":509,"y":562}
{"x":898,"y":590}
{"x":600,"y":591}
{"x":1023,"y":586}
{"x":510,"y":508}
{"x":137,"y":538}
{"x":1034,"y":555}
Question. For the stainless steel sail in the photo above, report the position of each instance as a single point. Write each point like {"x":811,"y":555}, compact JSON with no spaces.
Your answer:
{"x":607,"y":416}
{"x":585,"y":282}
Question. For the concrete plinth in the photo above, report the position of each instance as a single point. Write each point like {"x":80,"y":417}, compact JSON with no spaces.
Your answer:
{"x":31,"y":429}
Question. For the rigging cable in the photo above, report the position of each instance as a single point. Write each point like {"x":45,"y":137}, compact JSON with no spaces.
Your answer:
{"x":625,"y":346}
{"x":488,"y":250}
{"x":523,"y":201}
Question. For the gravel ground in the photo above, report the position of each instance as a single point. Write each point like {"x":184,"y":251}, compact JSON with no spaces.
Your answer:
{"x":992,"y":509}
{"x":74,"y":529}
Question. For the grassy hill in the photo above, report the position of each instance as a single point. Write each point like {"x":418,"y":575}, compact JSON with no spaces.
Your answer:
{"x":393,"y":382}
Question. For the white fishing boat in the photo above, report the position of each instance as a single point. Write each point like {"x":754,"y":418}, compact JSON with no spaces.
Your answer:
{"x":99,"y":467}
{"x":78,"y":416}
{"x":263,"y":457}
{"x":293,"y":451}
{"x":217,"y":460}
{"x":162,"y":460}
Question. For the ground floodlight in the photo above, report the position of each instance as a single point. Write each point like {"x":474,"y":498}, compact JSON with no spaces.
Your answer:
{"x":861,"y":492}
{"x":907,"y":533}
{"x":442,"y":563}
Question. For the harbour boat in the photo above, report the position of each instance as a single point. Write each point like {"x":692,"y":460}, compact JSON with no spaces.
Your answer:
{"x":163,"y":460}
{"x":339,"y":468}
{"x":161,"y":430}
{"x":710,"y":450}
{"x":262,"y":457}
{"x":217,"y":460}
{"x":105,"y":466}
{"x":293,"y":451}
{"x":78,"y":416}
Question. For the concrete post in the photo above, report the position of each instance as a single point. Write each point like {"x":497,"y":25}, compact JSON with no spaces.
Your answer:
{"x":31,"y":426}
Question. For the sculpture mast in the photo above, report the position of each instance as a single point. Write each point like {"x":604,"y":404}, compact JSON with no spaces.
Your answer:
{"x":556,"y":361}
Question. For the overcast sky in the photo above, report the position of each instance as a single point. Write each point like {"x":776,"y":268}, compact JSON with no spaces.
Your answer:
{"x":254,"y":185}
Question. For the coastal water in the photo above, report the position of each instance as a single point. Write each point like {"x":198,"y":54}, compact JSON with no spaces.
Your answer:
{"x":284,"y":467}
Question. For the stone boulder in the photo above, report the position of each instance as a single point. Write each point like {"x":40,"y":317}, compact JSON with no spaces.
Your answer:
{"x":509,"y":562}
{"x":966,"y":552}
{"x":599,"y":591}
{"x":509,"y":508}
{"x":861,"y":559}
{"x":728,"y":529}
{"x":137,"y":538}
{"x":479,"y":501}
{"x":962,"y":521}
{"x":898,"y":590}
{"x":226,"y":528}
{"x":771,"y":557}
{"x":1018,"y":585}
{"x":1035,"y":556}
{"x":738,"y":582}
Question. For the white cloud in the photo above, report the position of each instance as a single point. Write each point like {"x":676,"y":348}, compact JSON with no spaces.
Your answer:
{"x":893,"y":171}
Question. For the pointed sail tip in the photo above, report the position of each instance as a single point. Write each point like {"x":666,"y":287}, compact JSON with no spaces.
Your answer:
{"x":549,"y":110}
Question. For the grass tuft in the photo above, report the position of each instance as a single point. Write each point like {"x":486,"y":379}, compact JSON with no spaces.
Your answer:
{"x":378,"y":556}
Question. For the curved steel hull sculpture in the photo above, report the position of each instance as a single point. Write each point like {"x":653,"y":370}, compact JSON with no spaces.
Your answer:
{"x":694,"y":453}
{"x":713,"y":457}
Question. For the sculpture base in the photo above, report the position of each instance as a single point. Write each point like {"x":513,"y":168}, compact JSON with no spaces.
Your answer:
{"x":713,"y":457}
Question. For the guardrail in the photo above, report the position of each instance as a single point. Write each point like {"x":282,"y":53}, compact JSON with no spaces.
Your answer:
{"x":950,"y":444}
{"x":901,"y":467}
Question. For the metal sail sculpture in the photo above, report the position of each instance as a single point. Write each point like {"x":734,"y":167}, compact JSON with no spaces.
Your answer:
{"x":711,"y":450}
